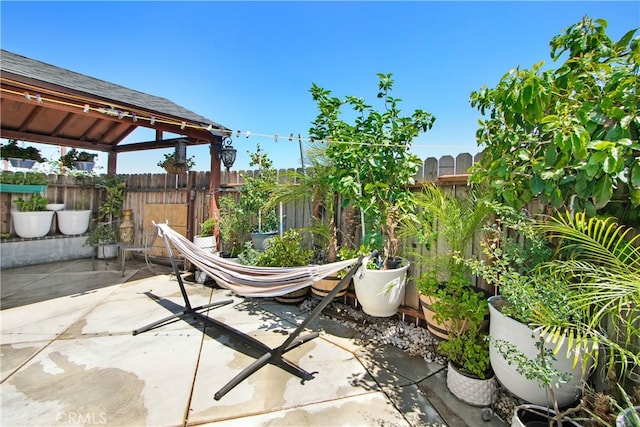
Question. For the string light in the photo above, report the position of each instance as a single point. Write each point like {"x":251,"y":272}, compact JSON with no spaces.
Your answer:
{"x":136,"y":116}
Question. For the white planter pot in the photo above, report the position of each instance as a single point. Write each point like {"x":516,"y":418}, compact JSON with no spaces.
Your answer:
{"x":107,"y":250}
{"x":73,"y":222}
{"x":522,"y":337}
{"x":380,"y":292}
{"x":536,"y":416}
{"x":261,"y":240}
{"x":207,"y":243}
{"x":32,"y":224}
{"x":471,"y":390}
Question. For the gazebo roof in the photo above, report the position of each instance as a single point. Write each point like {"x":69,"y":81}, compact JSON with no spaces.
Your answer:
{"x":51,"y":105}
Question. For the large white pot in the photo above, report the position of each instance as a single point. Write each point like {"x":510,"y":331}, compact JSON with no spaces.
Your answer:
{"x":73,"y":222}
{"x":32,"y":224}
{"x":522,"y":337}
{"x":380,"y":292}
{"x":472,"y":390}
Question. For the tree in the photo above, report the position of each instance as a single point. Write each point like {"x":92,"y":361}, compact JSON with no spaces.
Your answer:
{"x":568,"y":135}
{"x":372,"y":163}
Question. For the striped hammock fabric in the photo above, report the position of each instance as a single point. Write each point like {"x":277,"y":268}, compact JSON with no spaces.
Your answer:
{"x":246,"y":280}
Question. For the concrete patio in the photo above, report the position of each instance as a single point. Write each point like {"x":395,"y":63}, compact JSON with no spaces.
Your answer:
{"x":69,"y":358}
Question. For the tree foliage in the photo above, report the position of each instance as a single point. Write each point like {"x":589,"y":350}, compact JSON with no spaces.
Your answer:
{"x":371,"y":156}
{"x":569,"y":134}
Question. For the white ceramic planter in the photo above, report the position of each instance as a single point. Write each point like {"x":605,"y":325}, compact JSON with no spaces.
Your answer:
{"x":73,"y":222}
{"x":380,"y":292}
{"x":30,"y":225}
{"x":208,"y":243}
{"x":474,"y":391}
{"x":521,"y":336}
{"x":107,"y":250}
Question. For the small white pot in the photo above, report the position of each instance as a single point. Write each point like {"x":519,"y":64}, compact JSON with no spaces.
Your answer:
{"x":73,"y":222}
{"x":30,"y":225}
{"x":471,"y":390}
{"x":380,"y":292}
{"x":107,"y":250}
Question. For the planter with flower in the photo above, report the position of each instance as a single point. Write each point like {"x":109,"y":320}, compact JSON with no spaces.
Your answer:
{"x":373,"y":172}
{"x":233,"y":225}
{"x":20,"y":157}
{"x":78,"y":160}
{"x":172,"y":166}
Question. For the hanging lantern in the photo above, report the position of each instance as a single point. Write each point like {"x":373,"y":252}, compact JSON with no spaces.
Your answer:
{"x":180,"y":155}
{"x":226,"y":153}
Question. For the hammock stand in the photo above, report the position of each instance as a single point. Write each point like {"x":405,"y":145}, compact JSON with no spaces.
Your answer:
{"x":270,"y":355}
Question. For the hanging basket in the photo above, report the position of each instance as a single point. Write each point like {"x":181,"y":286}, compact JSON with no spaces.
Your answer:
{"x":176,"y":169}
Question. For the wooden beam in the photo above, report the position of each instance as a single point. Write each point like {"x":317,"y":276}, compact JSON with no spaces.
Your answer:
{"x":54,"y":140}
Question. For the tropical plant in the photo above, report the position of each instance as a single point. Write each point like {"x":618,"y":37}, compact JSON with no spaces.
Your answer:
{"x":568,"y":135}
{"x":12,"y":150}
{"x":36,"y":203}
{"x":312,"y":185}
{"x":233,"y":224}
{"x":601,"y":262}
{"x":256,"y":191}
{"x":369,"y":151}
{"x":71,"y":157}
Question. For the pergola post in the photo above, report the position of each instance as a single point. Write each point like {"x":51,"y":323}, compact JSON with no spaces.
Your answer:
{"x":214,"y":186}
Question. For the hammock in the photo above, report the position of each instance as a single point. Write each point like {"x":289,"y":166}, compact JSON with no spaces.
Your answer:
{"x":251,"y":281}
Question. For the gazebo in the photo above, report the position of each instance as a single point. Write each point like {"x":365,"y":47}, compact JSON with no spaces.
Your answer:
{"x":46,"y":104}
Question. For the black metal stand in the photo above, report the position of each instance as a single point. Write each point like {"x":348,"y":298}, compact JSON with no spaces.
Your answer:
{"x":270,"y":355}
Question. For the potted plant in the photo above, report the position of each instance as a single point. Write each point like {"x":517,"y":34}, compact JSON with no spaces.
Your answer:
{"x":21,"y":157}
{"x":365,"y":154}
{"x":105,"y":234}
{"x":311,"y":185}
{"x":23,"y":182}
{"x":287,"y":250}
{"x":454,"y":222}
{"x":530,"y":296}
{"x":254,"y":198}
{"x":170,"y":164}
{"x":32,"y":219}
{"x":233,"y":225}
{"x":469,"y":374}
{"x":78,"y":160}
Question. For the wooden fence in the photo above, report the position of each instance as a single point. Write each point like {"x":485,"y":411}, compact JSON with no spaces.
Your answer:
{"x":184,"y":201}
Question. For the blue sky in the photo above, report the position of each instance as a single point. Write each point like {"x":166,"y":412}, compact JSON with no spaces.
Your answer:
{"x":249,"y":65}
